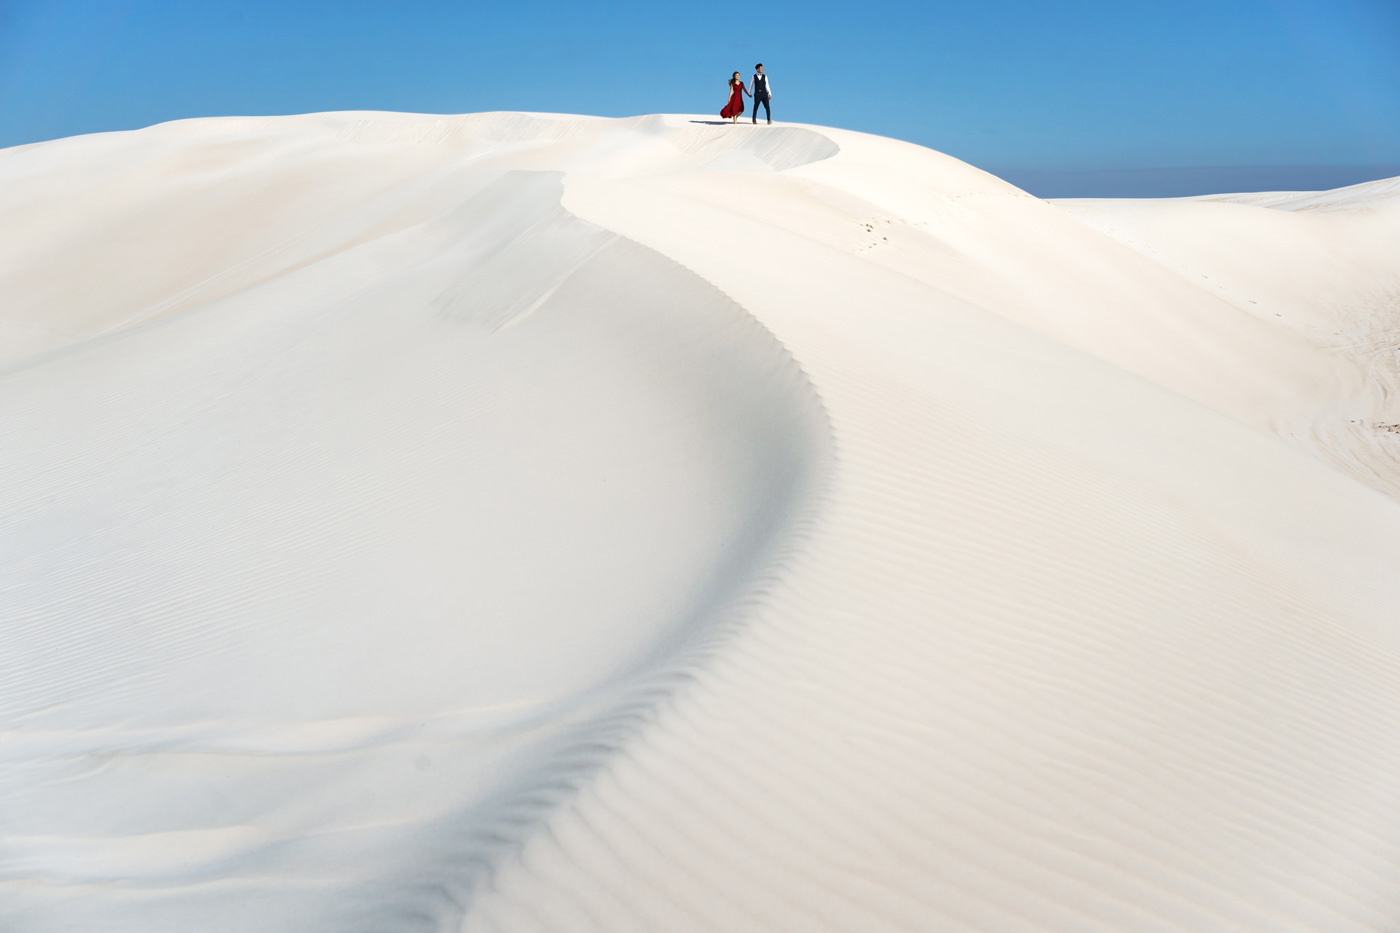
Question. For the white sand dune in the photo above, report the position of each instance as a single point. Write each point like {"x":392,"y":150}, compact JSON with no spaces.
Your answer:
{"x":528,"y":522}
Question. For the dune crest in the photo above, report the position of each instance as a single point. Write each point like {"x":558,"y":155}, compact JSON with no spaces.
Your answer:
{"x":536,"y":522}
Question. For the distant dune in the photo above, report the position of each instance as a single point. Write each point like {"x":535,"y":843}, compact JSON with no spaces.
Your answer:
{"x":1186,"y":182}
{"x":526,"y":522}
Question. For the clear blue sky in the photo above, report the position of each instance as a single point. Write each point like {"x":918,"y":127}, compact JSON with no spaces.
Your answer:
{"x":1109,"y":92}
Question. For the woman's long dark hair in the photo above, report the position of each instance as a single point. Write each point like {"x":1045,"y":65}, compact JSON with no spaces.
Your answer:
{"x":735,"y":78}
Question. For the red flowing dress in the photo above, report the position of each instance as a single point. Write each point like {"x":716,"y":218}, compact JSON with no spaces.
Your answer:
{"x":735,"y":107}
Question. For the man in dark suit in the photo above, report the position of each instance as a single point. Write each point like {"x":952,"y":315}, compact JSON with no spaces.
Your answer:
{"x":761,"y":93}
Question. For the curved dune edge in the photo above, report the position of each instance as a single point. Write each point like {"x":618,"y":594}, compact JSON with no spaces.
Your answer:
{"x":1076,"y":636}
{"x":368,"y":555}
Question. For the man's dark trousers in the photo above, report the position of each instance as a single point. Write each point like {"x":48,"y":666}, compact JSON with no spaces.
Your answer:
{"x":767,"y":112}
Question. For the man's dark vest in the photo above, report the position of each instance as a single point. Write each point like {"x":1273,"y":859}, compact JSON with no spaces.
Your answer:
{"x":760,"y":87}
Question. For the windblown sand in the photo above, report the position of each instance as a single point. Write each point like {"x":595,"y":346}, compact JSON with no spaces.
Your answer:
{"x":520,"y":522}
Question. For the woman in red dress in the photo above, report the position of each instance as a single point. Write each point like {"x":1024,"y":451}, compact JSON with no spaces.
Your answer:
{"x":735,"y":108}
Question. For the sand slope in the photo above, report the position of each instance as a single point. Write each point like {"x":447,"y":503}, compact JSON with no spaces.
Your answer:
{"x":520,"y":522}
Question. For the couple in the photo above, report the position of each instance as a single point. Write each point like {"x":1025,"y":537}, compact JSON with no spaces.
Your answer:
{"x":761,"y":94}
